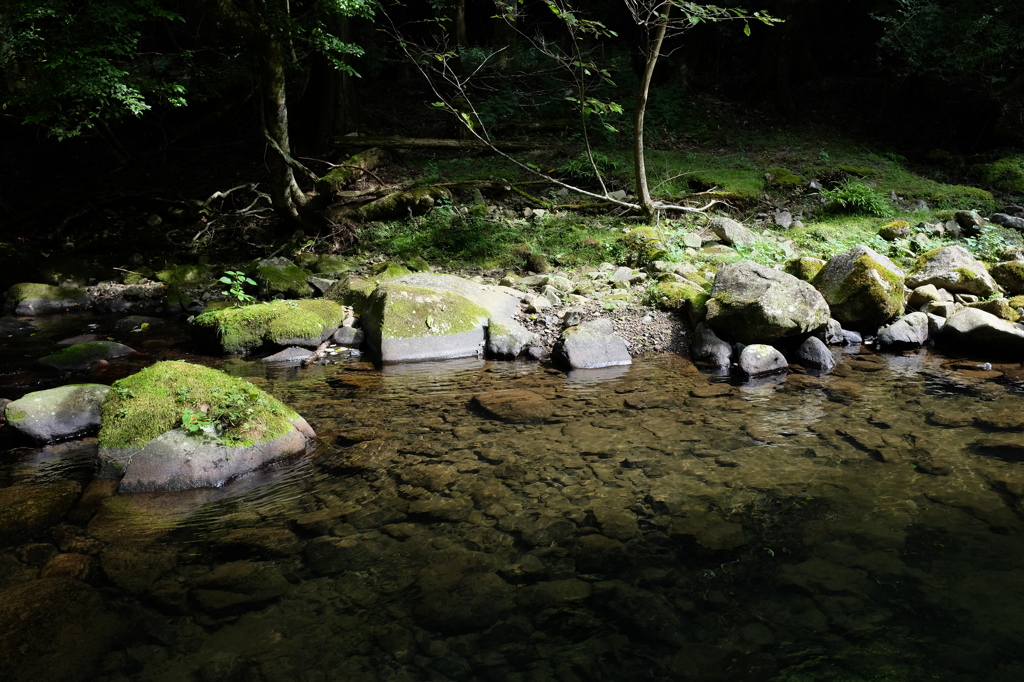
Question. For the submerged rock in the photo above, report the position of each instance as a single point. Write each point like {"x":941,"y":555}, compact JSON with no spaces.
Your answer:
{"x":82,"y":356}
{"x":28,"y":510}
{"x":175,"y":426}
{"x":515,"y":405}
{"x":58,"y":413}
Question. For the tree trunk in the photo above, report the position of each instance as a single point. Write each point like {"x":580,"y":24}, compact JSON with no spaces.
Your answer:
{"x":639,"y":163}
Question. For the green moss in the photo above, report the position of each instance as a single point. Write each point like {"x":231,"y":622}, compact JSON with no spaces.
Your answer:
{"x":42,"y":292}
{"x":389,"y":270}
{"x":684,"y":297}
{"x":289,"y":280}
{"x":858,"y":171}
{"x":142,"y":406}
{"x":896,"y":225}
{"x":965,"y":274}
{"x":1006,"y":174}
{"x":186,"y":275}
{"x":407,"y":312}
{"x":869,"y":296}
{"x":16,"y":416}
{"x":249,"y":327}
{"x":644,"y":245}
{"x":330,"y":265}
{"x":1017,"y":302}
{"x":82,"y":355}
{"x":805,"y":268}
{"x":784,"y":179}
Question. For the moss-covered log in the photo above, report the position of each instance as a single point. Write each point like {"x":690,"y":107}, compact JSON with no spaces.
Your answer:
{"x":353,"y":169}
{"x":416,"y":201}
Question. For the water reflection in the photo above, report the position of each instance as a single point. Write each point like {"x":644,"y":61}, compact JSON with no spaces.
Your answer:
{"x":862,"y":525}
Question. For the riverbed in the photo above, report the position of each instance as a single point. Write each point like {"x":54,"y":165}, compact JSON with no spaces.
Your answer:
{"x":661,"y":524}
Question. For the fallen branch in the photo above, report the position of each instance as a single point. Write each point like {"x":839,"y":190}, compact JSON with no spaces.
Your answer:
{"x":318,"y":354}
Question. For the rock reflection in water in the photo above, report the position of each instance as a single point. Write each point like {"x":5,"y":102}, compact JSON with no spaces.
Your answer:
{"x":856,"y":526}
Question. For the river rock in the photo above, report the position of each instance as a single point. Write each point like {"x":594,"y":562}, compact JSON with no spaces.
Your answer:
{"x":283,"y":323}
{"x":349,"y":337}
{"x":1010,"y":276}
{"x":278,"y":276}
{"x":54,"y":629}
{"x":759,"y":359}
{"x":954,"y":269}
{"x":58,"y":413}
{"x":239,"y":584}
{"x":592,"y":345}
{"x":28,"y":299}
{"x":424,"y":316}
{"x":514,"y":405}
{"x":815,"y":354}
{"x":707,"y":347}
{"x":82,"y":356}
{"x":752,"y":303}
{"x":978,"y":329}
{"x":508,"y":341}
{"x":293,"y":354}
{"x":143,"y":432}
{"x":970,"y":223}
{"x":27,"y":510}
{"x":908,"y":331}
{"x":863,"y":288}
{"x":1006,"y":220}
{"x":732,"y":233}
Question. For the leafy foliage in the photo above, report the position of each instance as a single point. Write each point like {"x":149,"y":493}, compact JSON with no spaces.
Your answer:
{"x":854,"y":196}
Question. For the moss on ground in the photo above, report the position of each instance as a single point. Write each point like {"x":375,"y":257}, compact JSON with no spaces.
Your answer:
{"x":243,"y":329}
{"x":171,"y":394}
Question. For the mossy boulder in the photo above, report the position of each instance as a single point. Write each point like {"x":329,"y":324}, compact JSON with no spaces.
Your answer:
{"x":281,"y":277}
{"x":176,"y":425}
{"x":283,"y":323}
{"x":82,"y":356}
{"x":355,"y":290}
{"x":57,"y":413}
{"x":954,"y":269}
{"x":1010,"y":276}
{"x":188,"y":275}
{"x":30,"y":298}
{"x":683,"y":297}
{"x":435,"y":317}
{"x":1006,"y":174}
{"x":805,"y":268}
{"x":896,"y":229}
{"x":643,"y":246}
{"x":752,"y":303}
{"x":1000,"y":307}
{"x":863,"y":288}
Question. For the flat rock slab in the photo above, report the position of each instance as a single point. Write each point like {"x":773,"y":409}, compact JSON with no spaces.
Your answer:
{"x":292,"y":354}
{"x":515,"y":405}
{"x":175,"y":460}
{"x":593,"y":345}
{"x":82,"y":356}
{"x":58,"y":413}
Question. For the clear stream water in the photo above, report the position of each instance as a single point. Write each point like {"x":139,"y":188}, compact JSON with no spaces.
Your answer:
{"x":661,"y":525}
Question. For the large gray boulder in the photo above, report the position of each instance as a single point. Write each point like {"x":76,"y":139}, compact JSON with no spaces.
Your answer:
{"x":954,"y":269}
{"x":732,"y":233}
{"x":752,"y":303}
{"x":863,"y":288}
{"x":710,"y":349}
{"x":58,"y":413}
{"x":1010,"y":276}
{"x":983,"y":331}
{"x":423,"y":316}
{"x":592,"y":345}
{"x":908,"y":331}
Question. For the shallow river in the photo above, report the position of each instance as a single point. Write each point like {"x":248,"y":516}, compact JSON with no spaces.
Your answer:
{"x":661,"y":525}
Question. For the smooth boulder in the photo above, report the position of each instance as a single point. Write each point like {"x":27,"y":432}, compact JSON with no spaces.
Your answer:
{"x":82,"y":356}
{"x":751,"y":303}
{"x":58,"y":413}
{"x":983,"y":331}
{"x":906,"y":332}
{"x":592,"y":345}
{"x":813,"y":353}
{"x":863,"y":288}
{"x":710,"y":349}
{"x":760,"y":359}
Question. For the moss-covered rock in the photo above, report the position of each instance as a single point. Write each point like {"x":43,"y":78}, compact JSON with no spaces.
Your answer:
{"x":355,"y":290}
{"x":172,"y":394}
{"x":240,"y":330}
{"x":281,"y":277}
{"x":954,"y":269}
{"x":176,"y":425}
{"x":1000,"y":307}
{"x":82,"y":356}
{"x":683,"y":297}
{"x":1007,"y":174}
{"x":644,"y":245}
{"x":30,"y":298}
{"x":805,"y":267}
{"x":863,"y":288}
{"x":188,"y":275}
{"x":896,"y":229}
{"x":1010,"y":276}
